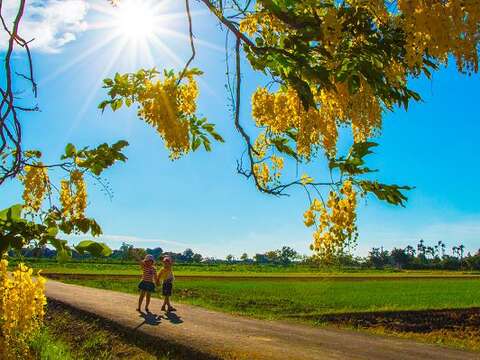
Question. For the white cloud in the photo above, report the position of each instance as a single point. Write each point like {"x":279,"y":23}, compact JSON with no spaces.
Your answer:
{"x":51,"y":23}
{"x":140,"y":240}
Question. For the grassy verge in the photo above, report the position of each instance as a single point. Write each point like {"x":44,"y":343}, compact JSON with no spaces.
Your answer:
{"x":46,"y":347}
{"x":68,"y":335}
{"x":324,"y":302}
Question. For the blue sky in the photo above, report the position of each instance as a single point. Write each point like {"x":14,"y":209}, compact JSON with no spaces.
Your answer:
{"x":200,"y":201}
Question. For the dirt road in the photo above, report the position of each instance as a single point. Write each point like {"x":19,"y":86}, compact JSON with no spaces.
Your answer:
{"x":210,"y":334}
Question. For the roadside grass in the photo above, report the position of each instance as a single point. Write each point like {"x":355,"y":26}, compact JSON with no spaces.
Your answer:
{"x":47,"y":347}
{"x":323,"y":302}
{"x":68,"y":335}
{"x":465,"y":338}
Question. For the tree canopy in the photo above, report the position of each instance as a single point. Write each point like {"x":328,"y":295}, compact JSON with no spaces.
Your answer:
{"x":327,"y":65}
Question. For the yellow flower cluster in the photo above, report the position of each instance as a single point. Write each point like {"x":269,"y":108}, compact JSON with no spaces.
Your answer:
{"x":305,"y":179}
{"x":266,"y":23}
{"x":335,"y":221}
{"x":165,"y":105}
{"x":376,"y":7}
{"x":36,"y":184}
{"x":74,"y":203}
{"x":266,"y":174}
{"x":362,"y":110}
{"x":441,"y":28}
{"x":22,"y":303}
{"x":283,"y":110}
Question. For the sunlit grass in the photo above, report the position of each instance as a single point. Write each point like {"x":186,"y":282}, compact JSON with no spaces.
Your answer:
{"x":235,"y":270}
{"x":285,"y":299}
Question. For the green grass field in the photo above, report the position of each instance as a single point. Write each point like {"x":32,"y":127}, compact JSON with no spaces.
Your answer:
{"x":285,"y":299}
{"x":300,"y":294}
{"x":99,"y":268}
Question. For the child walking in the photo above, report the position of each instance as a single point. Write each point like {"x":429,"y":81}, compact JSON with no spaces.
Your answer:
{"x":147,"y":286}
{"x":166,"y":275}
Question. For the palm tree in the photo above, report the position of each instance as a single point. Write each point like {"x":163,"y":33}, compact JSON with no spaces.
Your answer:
{"x":430,"y":251}
{"x":441,"y":244}
{"x":421,"y":247}
{"x":410,"y":250}
{"x":461,"y":249}
{"x":455,"y":251}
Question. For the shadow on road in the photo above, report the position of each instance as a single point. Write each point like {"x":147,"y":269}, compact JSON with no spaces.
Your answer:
{"x":149,"y":319}
{"x":173,"y":318}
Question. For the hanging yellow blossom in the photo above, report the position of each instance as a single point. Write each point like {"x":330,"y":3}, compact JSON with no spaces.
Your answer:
{"x":36,"y":184}
{"x":73,"y":203}
{"x":441,"y":28}
{"x":164,"y":105}
{"x":335,"y":221}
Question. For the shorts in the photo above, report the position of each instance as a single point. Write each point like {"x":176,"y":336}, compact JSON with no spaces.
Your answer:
{"x":167,"y":288}
{"x":146,"y":286}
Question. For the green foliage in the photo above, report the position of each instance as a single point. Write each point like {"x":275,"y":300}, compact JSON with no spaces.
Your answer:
{"x":123,"y":88}
{"x":302,"y":61}
{"x":388,"y":193}
{"x":281,"y":143}
{"x":98,"y":159}
{"x":126,"y":89}
{"x":17,"y":231}
{"x":95,"y":248}
{"x":353,"y":165}
{"x":199,"y":131}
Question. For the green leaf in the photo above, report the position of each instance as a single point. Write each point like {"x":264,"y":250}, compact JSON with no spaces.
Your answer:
{"x":52,"y":231}
{"x":195,"y":144}
{"x":94,"y":248}
{"x":206,"y":145}
{"x":389,"y":193}
{"x":58,"y":244}
{"x":14,"y":213}
{"x":95,"y":228}
{"x":117,"y":104}
{"x":70,"y":151}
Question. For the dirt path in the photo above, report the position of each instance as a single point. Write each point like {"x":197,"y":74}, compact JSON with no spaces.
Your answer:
{"x":211,"y":334}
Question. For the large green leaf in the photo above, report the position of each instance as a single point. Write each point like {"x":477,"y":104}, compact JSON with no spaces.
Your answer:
{"x":94,"y":248}
{"x":14,"y":213}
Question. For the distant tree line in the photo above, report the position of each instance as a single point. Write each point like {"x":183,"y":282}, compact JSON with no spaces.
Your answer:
{"x":421,"y":256}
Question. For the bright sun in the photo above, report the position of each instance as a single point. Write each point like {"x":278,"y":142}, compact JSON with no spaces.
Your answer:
{"x":135,"y":20}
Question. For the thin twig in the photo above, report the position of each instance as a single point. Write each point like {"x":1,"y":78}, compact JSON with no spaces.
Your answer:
{"x":192,"y":45}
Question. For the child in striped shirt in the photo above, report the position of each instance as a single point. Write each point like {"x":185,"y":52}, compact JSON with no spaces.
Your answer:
{"x":147,"y":285}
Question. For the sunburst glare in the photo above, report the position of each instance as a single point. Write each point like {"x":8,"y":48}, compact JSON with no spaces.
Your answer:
{"x":136,"y":20}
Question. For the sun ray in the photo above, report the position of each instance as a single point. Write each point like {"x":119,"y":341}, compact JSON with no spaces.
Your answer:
{"x":85,"y":54}
{"x":95,"y":86}
{"x":204,"y":43}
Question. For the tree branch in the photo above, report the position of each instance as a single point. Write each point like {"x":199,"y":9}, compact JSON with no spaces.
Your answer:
{"x":192,"y":45}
